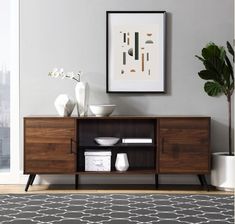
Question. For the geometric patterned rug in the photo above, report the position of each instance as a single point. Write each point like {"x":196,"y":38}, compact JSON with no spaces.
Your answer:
{"x":116,"y":208}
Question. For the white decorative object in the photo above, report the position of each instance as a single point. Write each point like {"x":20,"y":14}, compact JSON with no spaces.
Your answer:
{"x":102,"y":110}
{"x":81,"y":89}
{"x":64,"y":105}
{"x":222,"y":173}
{"x":137,"y":140}
{"x":97,"y":161}
{"x":82,"y":94}
{"x":106,"y":141}
{"x":59,"y":73}
{"x":122,"y":163}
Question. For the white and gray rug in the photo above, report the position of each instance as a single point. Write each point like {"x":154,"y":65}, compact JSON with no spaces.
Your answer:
{"x":116,"y":208}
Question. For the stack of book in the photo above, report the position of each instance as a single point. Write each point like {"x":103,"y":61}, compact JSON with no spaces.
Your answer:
{"x":137,"y":140}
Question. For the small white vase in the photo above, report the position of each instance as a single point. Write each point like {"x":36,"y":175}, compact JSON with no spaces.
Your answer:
{"x":64,"y":105}
{"x":121,"y":163}
{"x":82,"y":95}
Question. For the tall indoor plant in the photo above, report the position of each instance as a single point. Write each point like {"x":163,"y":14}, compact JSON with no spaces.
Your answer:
{"x":218,"y":72}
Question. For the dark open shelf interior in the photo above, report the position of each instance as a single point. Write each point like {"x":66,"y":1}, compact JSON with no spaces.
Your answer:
{"x":138,"y":159}
{"x":119,"y":145}
{"x":142,"y":170}
{"x":128,"y":128}
{"x":141,"y":156}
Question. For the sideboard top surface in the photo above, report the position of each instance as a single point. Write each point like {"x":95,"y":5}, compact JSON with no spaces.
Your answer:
{"x":115,"y":117}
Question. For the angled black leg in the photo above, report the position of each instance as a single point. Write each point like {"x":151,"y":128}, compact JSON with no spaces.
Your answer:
{"x":156,"y":181}
{"x":200,"y":179}
{"x":31,"y":177}
{"x":76,"y":181}
{"x":205,"y":182}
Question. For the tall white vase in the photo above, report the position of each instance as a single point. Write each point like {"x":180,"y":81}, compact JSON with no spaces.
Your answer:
{"x":82,"y":96}
{"x":122,"y":163}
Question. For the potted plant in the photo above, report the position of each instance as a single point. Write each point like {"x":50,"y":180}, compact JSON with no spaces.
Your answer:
{"x":220,"y":80}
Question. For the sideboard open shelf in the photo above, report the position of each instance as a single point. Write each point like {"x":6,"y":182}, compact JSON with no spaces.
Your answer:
{"x":56,"y":145}
{"x":142,"y":157}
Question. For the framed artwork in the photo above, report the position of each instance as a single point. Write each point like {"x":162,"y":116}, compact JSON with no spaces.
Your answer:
{"x":135,"y":56}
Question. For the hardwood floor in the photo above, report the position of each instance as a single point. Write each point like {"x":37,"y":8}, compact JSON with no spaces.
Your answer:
{"x":138,"y":189}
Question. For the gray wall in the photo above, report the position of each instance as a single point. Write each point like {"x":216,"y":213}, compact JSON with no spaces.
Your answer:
{"x":71,"y":34}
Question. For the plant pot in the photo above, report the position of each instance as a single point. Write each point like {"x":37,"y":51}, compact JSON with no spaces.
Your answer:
{"x":222,"y":173}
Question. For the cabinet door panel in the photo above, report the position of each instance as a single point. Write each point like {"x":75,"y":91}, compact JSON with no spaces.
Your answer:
{"x":47,"y":145}
{"x":49,"y":122}
{"x":184,"y":145}
{"x":184,"y":123}
{"x":177,"y":158}
{"x":50,"y":166}
{"x":49,"y":135}
{"x":51,"y":151}
{"x":185,"y":137}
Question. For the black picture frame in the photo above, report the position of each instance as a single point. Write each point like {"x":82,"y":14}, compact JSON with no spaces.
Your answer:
{"x":152,"y":20}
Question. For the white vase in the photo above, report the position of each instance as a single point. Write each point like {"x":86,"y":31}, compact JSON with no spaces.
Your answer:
{"x":121,"y":163}
{"x":82,"y":95}
{"x":222,"y":173}
{"x":64,"y":105}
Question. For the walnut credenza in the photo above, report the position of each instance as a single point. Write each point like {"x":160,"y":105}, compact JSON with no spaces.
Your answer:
{"x":56,"y":145}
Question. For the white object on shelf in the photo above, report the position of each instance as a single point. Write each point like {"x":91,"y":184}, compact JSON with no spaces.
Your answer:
{"x":64,"y":105}
{"x":106,"y":141}
{"x":103,"y":110}
{"x":82,"y":96}
{"x":137,"y":140}
{"x":98,"y":160}
{"x":122,"y":163}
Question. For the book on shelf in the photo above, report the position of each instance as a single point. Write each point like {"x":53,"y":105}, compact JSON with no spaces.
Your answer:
{"x":137,"y":140}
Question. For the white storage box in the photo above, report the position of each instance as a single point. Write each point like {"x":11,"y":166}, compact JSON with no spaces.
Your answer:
{"x":97,"y":160}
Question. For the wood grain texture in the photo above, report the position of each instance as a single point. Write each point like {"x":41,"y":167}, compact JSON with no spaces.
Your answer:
{"x":185,"y":122}
{"x":47,"y":145}
{"x":51,"y":166}
{"x":47,"y":122}
{"x":184,"y":145}
{"x":180,"y":144}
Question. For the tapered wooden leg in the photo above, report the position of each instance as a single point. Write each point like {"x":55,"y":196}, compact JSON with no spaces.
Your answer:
{"x":30,"y":179}
{"x":156,"y":181}
{"x":76,"y":181}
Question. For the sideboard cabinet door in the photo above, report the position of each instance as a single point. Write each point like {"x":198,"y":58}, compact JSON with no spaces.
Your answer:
{"x":184,"y":145}
{"x":47,"y":145}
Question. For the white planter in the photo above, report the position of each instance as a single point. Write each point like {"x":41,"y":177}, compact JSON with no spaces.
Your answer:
{"x":82,"y":95}
{"x":121,"y":163}
{"x":222,"y":174}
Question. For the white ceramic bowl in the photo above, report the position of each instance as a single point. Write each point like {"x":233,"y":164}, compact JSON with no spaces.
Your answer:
{"x":106,"y":141}
{"x":102,"y":110}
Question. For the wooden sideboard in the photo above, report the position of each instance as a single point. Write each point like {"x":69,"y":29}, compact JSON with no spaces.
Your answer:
{"x":56,"y":145}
